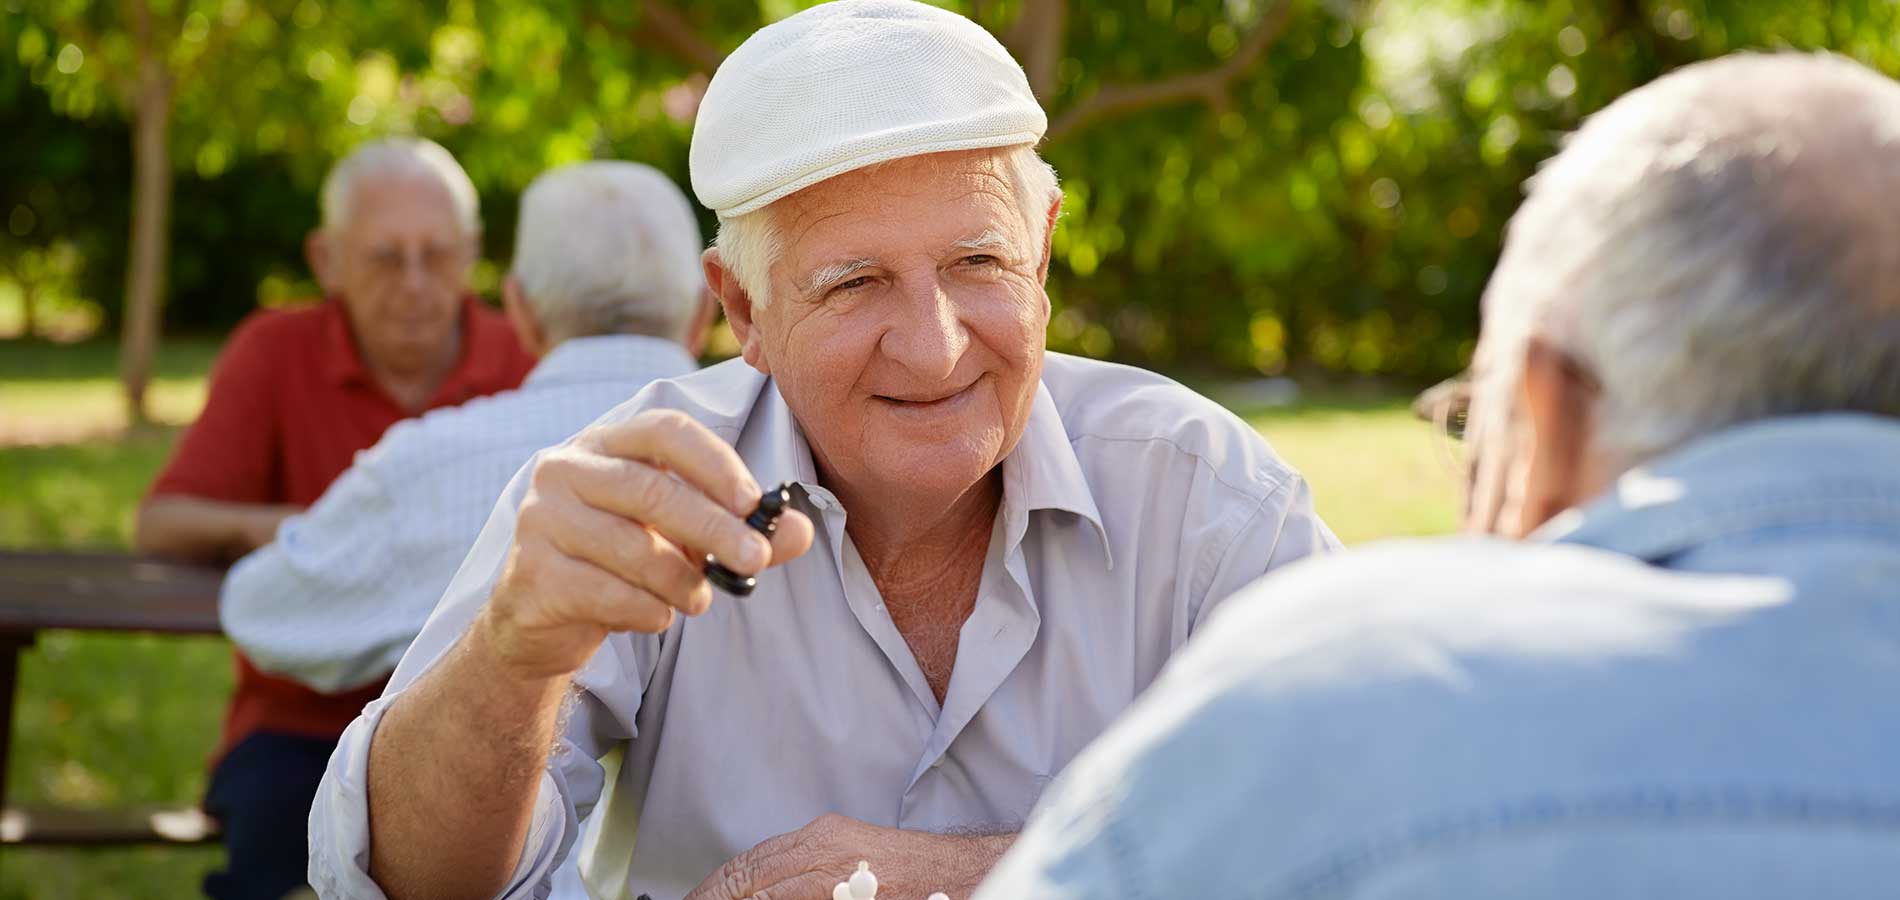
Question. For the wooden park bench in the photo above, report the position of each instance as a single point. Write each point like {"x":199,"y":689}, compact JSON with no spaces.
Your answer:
{"x":41,"y":591}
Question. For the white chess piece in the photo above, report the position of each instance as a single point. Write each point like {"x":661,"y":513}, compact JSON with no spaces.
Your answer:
{"x":863,"y":883}
{"x":861,"y":886}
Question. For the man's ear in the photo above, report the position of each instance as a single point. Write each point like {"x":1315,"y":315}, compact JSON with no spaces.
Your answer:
{"x":701,"y":327}
{"x":528,"y":329}
{"x":322,"y":259}
{"x":1049,"y":237}
{"x":1558,"y":406}
{"x":738,"y":306}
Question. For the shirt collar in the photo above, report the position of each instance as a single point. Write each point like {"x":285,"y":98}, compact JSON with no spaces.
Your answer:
{"x":1835,"y":468}
{"x":610,"y":358}
{"x":1042,"y":473}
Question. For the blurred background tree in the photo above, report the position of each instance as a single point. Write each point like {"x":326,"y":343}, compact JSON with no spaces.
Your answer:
{"x":1314,"y":187}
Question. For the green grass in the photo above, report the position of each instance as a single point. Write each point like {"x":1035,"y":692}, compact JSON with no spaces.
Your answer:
{"x":59,"y":392}
{"x":106,"y":720}
{"x":1375,"y":470}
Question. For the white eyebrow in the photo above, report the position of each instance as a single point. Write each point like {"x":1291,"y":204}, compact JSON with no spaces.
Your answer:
{"x":988,"y":240}
{"x":836,"y":272}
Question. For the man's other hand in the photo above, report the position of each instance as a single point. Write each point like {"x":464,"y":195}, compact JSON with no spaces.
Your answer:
{"x":808,"y":863}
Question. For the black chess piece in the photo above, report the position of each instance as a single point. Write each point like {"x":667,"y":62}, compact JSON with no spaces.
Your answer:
{"x":763,"y":520}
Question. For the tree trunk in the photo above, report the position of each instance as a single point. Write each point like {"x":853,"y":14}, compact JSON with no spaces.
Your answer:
{"x":29,"y":297}
{"x":1036,"y":38}
{"x":151,"y":217}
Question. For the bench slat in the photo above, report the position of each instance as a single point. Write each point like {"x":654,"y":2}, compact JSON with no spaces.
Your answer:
{"x":70,"y":827}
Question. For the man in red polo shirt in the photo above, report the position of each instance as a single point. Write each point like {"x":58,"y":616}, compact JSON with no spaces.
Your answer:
{"x":293,"y":396}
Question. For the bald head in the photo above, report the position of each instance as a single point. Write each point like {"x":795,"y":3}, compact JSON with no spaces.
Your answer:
{"x":1719,"y":246}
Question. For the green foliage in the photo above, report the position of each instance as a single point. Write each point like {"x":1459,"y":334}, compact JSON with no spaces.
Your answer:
{"x":1335,"y":208}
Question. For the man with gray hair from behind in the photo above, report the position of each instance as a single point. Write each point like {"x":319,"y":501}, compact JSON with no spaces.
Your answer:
{"x":1666,"y":671}
{"x":606,"y":289}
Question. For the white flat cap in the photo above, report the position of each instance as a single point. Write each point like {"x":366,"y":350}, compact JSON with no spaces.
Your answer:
{"x":847,"y":84}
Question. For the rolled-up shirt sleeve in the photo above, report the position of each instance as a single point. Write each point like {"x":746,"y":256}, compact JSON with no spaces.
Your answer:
{"x":603,"y":709}
{"x":339,"y":819}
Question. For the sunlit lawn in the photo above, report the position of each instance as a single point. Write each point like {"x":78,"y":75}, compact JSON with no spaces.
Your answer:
{"x":117,"y":720}
{"x":1375,"y":470}
{"x":57,"y":393}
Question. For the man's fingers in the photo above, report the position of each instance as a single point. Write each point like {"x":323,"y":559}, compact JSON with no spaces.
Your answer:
{"x":808,"y":886}
{"x":663,"y":502}
{"x":773,"y":860}
{"x":674,"y":441}
{"x":801,"y":884}
{"x":792,"y":538}
{"x":633,"y":553}
{"x":592,"y":594}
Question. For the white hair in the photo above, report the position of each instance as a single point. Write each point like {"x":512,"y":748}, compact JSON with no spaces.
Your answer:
{"x":399,"y":157}
{"x":1720,"y":246}
{"x":749,"y":245}
{"x":608,"y":248}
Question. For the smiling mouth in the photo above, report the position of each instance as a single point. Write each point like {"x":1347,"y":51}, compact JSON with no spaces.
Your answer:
{"x":926,"y":403}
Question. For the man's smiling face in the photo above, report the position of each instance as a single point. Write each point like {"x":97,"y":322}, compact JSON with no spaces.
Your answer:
{"x":906,"y":324}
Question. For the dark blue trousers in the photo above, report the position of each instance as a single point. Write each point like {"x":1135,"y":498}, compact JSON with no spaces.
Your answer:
{"x":260,"y":794}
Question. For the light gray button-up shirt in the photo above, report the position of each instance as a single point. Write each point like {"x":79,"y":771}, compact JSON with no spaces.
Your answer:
{"x":1130,"y":508}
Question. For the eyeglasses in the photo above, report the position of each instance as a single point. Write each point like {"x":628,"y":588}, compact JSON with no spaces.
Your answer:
{"x":390,"y":261}
{"x":1447,"y":407}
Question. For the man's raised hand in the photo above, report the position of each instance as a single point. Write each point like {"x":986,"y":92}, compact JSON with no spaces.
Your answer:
{"x":612,"y":536}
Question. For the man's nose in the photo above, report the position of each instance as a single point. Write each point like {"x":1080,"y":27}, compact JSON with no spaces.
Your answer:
{"x":415,"y":271}
{"x":930,"y":336}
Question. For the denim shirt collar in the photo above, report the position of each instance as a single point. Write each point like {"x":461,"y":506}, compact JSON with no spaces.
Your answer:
{"x":1833,"y":469}
{"x":610,"y":358}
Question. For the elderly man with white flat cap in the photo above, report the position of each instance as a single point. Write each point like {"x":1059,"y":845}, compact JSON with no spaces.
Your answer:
{"x":988,"y":550}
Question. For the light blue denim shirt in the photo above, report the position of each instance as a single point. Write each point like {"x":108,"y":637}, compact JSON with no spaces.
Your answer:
{"x":1685,"y":689}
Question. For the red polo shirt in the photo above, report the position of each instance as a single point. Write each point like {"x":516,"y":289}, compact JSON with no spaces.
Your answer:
{"x":290,"y":404}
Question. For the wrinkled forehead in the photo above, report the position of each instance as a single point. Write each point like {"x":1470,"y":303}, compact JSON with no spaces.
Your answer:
{"x":920,"y":204}
{"x":386,"y":206}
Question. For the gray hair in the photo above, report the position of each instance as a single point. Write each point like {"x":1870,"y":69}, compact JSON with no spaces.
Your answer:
{"x":608,"y":248}
{"x":1719,"y":246}
{"x":749,"y":245}
{"x":399,"y":157}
